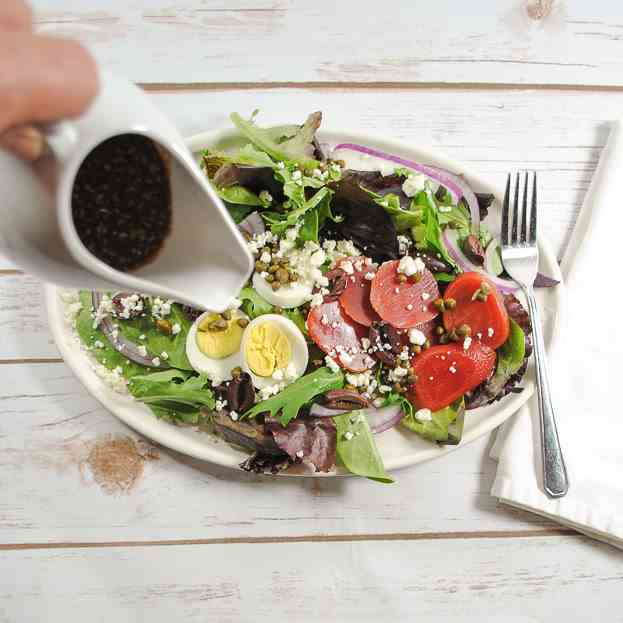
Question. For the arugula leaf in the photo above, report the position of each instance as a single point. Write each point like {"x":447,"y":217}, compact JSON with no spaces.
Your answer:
{"x":356,"y":448}
{"x":253,"y":305}
{"x":239,"y":195}
{"x":445,"y":427}
{"x":297,"y":148}
{"x":108,"y":356}
{"x":173,"y":394}
{"x":157,"y":342}
{"x":296,"y":395}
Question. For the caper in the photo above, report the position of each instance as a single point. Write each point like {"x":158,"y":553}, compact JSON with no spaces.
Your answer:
{"x":449,"y":303}
{"x":426,"y":345}
{"x":236,"y":372}
{"x":164,"y":326}
{"x":464,"y":330}
{"x":402,"y":278}
{"x":411,"y":379}
{"x":485,"y":288}
{"x":417,"y":277}
{"x":398,"y":388}
{"x":242,"y":322}
{"x":266,"y":250}
{"x":294,"y":277}
{"x":260,"y":266}
{"x":273,"y":268}
{"x":439,"y":305}
{"x":444,"y":339}
{"x":270,"y":278}
{"x":439,"y":330}
{"x":322,"y":166}
{"x":278,"y":310}
{"x":482,"y":297}
{"x":282,"y":275}
{"x":218,"y":325}
{"x":417,"y":349}
{"x":275,"y":285}
{"x":349,"y":386}
{"x":226,"y":314}
{"x":453,"y":336}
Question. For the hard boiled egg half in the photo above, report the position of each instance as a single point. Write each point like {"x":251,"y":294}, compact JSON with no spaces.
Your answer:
{"x":273,"y":351}
{"x":213,"y":344}
{"x":287,"y":296}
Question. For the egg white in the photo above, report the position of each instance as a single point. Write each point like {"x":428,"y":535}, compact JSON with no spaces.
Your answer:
{"x":292,"y":295}
{"x":218,"y":370}
{"x":298,"y":347}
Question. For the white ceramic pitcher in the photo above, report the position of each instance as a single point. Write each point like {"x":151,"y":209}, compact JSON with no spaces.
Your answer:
{"x":204,"y":261}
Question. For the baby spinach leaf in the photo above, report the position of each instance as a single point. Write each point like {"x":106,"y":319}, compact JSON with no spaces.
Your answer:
{"x":296,"y":395}
{"x":356,"y":448}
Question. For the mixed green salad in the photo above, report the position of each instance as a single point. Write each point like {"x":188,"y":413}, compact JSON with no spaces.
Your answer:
{"x":378,"y":300}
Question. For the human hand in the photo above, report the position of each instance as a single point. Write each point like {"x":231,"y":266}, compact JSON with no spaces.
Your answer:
{"x":42,"y":79}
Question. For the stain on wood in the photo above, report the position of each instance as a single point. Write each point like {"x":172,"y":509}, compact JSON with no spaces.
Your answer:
{"x":539,"y":9}
{"x":116,"y":462}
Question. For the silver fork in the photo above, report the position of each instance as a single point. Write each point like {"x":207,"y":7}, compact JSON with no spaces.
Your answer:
{"x":520,"y":256}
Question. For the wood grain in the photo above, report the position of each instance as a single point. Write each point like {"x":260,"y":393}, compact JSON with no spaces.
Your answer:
{"x":49,"y":426}
{"x":566,"y":42}
{"x":549,"y":578}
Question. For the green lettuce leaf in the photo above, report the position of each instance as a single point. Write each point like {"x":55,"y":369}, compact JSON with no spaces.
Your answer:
{"x":253,"y":305}
{"x":297,"y":148}
{"x":279,"y":223}
{"x":296,"y":395}
{"x":445,"y":427}
{"x":428,"y":235}
{"x":173,"y":394}
{"x":510,"y":358}
{"x":239,"y":195}
{"x":403,"y":219}
{"x":356,"y":448}
{"x":106,"y":355}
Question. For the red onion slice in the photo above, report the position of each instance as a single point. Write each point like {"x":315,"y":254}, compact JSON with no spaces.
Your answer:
{"x":379,"y":420}
{"x":253,"y":224}
{"x":119,"y":342}
{"x":455,"y":184}
{"x":450,"y":238}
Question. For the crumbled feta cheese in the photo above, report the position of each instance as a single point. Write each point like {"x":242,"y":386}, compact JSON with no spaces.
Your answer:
{"x":425,"y":296}
{"x":296,"y":175}
{"x":479,"y":335}
{"x":347,"y":267}
{"x":324,"y":320}
{"x":316,"y":300}
{"x":369,"y":276}
{"x":290,"y":372}
{"x":397,"y":374}
{"x":385,"y":389}
{"x":300,"y":454}
{"x":431,"y":378}
{"x":270,"y":390}
{"x":281,"y":165}
{"x":332,"y":364}
{"x":445,"y":209}
{"x":348,"y":435}
{"x":265,"y":257}
{"x":365,"y":343}
{"x":397,"y":290}
{"x":317,"y":258}
{"x":176,"y":328}
{"x":404,"y":354}
{"x":414,"y":184}
{"x":234,"y":415}
{"x":142,"y":351}
{"x":359,"y":380}
{"x":423,"y":415}
{"x":142,"y":336}
{"x":266,"y":197}
{"x":345,"y":358}
{"x":452,"y":369}
{"x":409,"y":307}
{"x":404,"y":243}
{"x":410,"y":266}
{"x":467,"y":342}
{"x":160,"y":308}
{"x":98,"y":344}
{"x":130,"y":305}
{"x":417,"y":337}
{"x":219,"y":405}
{"x":164,"y":355}
{"x":278,"y":374}
{"x":156,"y":361}
{"x":103,"y":310}
{"x":490,"y":332}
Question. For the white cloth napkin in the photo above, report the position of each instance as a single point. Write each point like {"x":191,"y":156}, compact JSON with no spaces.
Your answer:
{"x":586,"y":372}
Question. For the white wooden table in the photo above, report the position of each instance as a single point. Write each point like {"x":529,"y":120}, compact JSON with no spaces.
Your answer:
{"x":498,"y":83}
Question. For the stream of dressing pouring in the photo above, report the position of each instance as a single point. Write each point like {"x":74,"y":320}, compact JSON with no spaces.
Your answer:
{"x":204,"y":261}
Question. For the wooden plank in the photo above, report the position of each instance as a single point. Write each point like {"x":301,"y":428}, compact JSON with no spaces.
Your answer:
{"x":281,"y":41}
{"x":98,"y":482}
{"x":570,"y":579}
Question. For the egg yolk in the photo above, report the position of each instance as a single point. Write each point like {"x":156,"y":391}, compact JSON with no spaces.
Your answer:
{"x":218,"y":344}
{"x":267,"y":349}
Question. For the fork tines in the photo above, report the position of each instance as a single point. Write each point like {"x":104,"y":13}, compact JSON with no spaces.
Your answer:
{"x":515,"y":227}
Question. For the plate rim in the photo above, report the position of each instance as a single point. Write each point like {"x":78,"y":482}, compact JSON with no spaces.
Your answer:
{"x":142,"y":420}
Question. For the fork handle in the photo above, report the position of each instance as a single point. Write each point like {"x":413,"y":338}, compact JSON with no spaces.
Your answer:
{"x":555,"y":481}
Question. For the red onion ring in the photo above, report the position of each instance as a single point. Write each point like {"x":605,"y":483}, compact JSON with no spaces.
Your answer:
{"x":455,"y":184}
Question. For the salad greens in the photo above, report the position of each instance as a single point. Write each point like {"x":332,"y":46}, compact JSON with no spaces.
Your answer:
{"x":356,"y":448}
{"x":446,"y":425}
{"x":173,"y":394}
{"x":295,"y":396}
{"x":253,"y":305}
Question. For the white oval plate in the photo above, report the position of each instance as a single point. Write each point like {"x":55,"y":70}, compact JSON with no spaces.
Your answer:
{"x":399,"y":448}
